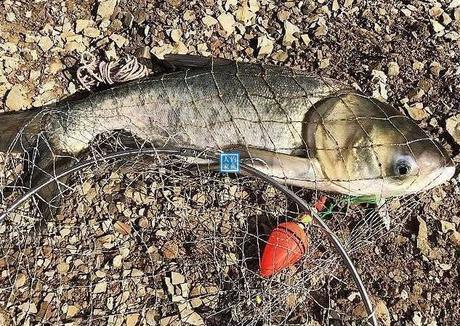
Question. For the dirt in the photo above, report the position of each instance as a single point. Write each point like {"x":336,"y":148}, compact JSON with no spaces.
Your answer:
{"x":350,"y":42}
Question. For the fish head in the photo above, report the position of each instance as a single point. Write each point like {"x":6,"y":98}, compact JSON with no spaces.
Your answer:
{"x":367,"y":148}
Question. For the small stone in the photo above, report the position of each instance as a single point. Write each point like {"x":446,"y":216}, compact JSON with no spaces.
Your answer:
{"x":348,"y":3}
{"x":10,"y":17}
{"x":417,"y":112}
{"x":106,"y":8}
{"x":176,"y":35}
{"x":100,"y":287}
{"x":177,"y":278}
{"x":190,"y":317}
{"x":324,"y":63}
{"x":446,"y":20}
{"x":243,"y":14}
{"x":393,"y":69}
{"x":417,"y":318}
{"x":170,"y":250}
{"x":132,"y":319}
{"x":17,"y":98}
{"x":335,"y":5}
{"x":63,"y":267}
{"x":209,"y":21}
{"x":454,"y":4}
{"x":81,"y":24}
{"x":447,"y":226}
{"x":453,"y":127}
{"x":435,"y":68}
{"x":21,"y":280}
{"x":55,"y":66}
{"x":72,"y":311}
{"x":289,"y":31}
{"x":227,"y":21}
{"x":119,"y":40}
{"x":306,"y":39}
{"x":117,"y":261}
{"x":122,"y":228}
{"x":189,"y":15}
{"x":417,"y":65}
{"x":283,"y":15}
{"x":45,"y":43}
{"x":455,"y":238}
{"x":265,"y":46}
{"x":437,"y":27}
{"x":422,"y":238}
{"x":435,"y":11}
{"x":280,"y":56}
{"x":91,"y":32}
{"x":175,"y":3}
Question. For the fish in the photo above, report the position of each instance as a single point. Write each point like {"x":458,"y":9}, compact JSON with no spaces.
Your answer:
{"x":301,"y":129}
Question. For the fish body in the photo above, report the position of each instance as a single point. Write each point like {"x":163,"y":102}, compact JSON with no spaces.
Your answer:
{"x":303,"y":130}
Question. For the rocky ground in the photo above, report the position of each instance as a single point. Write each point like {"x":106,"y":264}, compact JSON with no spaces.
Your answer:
{"x":404,"y":52}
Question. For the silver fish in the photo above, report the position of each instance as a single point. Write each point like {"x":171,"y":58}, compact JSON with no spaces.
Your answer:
{"x":301,"y":129}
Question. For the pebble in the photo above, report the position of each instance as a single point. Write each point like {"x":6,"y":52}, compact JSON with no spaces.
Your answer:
{"x":265,"y":46}
{"x":10,"y":17}
{"x":72,"y":311}
{"x":91,"y":32}
{"x":177,"y":278}
{"x":132,"y":319}
{"x":81,"y":24}
{"x":45,"y":43}
{"x":422,"y":237}
{"x":17,"y":98}
{"x":455,"y":238}
{"x":417,"y":318}
{"x":417,"y":112}
{"x":244,"y":15}
{"x":100,"y":287}
{"x":209,"y":21}
{"x":106,"y":8}
{"x":119,"y":40}
{"x":437,"y":27}
{"x":227,"y":21}
{"x":393,"y":69}
{"x":453,"y":127}
{"x":289,"y":31}
{"x":435,"y":68}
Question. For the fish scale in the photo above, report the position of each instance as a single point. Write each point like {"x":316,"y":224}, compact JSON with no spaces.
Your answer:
{"x":301,"y":129}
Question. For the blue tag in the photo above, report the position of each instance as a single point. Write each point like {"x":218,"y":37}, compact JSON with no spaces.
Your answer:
{"x":230,"y":162}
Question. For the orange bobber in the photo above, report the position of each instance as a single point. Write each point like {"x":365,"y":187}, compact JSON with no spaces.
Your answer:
{"x":286,"y":245}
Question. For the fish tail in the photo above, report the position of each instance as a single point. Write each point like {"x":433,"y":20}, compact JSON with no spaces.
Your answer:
{"x":17,"y":123}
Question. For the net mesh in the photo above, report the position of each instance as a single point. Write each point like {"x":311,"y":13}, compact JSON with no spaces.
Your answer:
{"x":155,"y":238}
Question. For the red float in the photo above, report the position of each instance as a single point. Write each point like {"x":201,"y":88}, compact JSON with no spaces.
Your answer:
{"x":286,"y":245}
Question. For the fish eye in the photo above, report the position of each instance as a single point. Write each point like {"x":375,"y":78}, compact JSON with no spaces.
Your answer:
{"x":403,"y":167}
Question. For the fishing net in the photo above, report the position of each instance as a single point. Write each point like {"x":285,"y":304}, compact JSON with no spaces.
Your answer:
{"x":139,"y":235}
{"x":154,"y":238}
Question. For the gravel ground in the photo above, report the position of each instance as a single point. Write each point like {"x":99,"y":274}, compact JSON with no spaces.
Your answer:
{"x":404,"y":52}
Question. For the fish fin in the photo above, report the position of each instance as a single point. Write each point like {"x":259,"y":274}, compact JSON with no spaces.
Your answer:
{"x":183,"y":61}
{"x":46,"y":165}
{"x":17,"y":123}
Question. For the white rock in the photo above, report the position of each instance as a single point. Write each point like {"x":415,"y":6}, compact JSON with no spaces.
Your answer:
{"x":265,"y":46}
{"x":437,"y":27}
{"x":17,"y":98}
{"x":393,"y":69}
{"x":45,"y":43}
{"x":177,"y":278}
{"x":227,"y":21}
{"x":209,"y":21}
{"x":106,"y":8}
{"x":81,"y":24}
{"x":289,"y":30}
{"x":100,"y":287}
{"x":10,"y":17}
{"x":453,"y":127}
{"x":454,"y":4}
